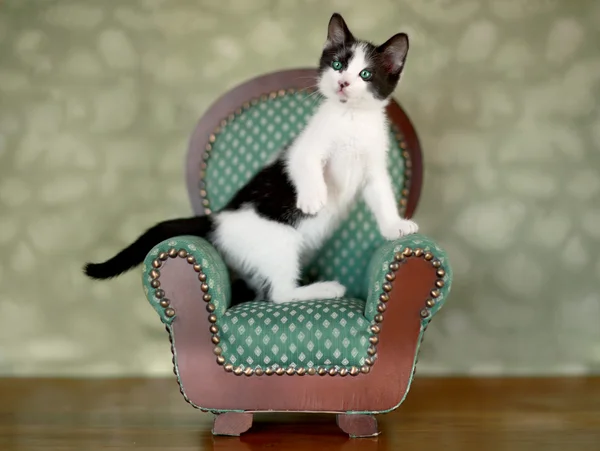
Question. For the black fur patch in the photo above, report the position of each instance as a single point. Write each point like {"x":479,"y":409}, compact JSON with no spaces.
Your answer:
{"x":271,"y":193}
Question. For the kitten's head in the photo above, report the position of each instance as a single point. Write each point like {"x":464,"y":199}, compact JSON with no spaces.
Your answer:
{"x":356,"y":72}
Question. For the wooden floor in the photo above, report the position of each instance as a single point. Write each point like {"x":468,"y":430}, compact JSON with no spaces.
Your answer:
{"x":439,"y":414}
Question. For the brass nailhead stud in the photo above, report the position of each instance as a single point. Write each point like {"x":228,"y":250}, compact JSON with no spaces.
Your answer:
{"x":220,"y":360}
{"x":202,"y":277}
{"x":159,"y":294}
{"x":207,"y":297}
{"x":369,"y":361}
{"x":301,"y":371}
{"x":407,"y":252}
{"x":439,"y":283}
{"x":343,"y":372}
{"x":403,"y":202}
{"x":387,"y":287}
{"x":155,"y":283}
{"x":365,"y":369}
{"x":394,"y":266}
{"x":238,"y":370}
{"x":228,"y":367}
{"x":375,"y":329}
{"x":371,"y":350}
{"x":172,"y":252}
{"x":191,"y":259}
{"x":279,"y":371}
{"x":390,"y":276}
{"x":207,"y":211}
{"x":381,"y":307}
{"x":258,"y":371}
{"x":374,"y":339}
{"x":212,"y":138}
{"x":212,"y":318}
{"x":332,"y":371}
{"x":311,"y":371}
{"x":156,"y":263}
{"x":322,"y":371}
{"x":210,"y":307}
{"x":182,"y":253}
{"x":218,"y":350}
{"x":163,"y":256}
{"x":384,"y":297}
{"x":269,"y":371}
{"x":248,"y":371}
{"x":290,"y":371}
{"x":379,"y":318}
{"x":354,"y":371}
{"x":428,"y":256}
{"x":398,"y":256}
{"x":424,"y":313}
{"x":441,"y":273}
{"x":214,"y":329}
{"x":204,"y":287}
{"x":164,"y":303}
{"x":197,"y":268}
{"x":206,"y":203}
{"x":155,"y":273}
{"x":435,"y":293}
{"x":405,"y":192}
{"x":418,"y":252}
{"x":170,"y":312}
{"x":430,"y":302}
{"x":215,"y":339}
{"x":437,"y":263}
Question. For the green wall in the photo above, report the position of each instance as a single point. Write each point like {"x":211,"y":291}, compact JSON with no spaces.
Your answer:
{"x":98,"y":97}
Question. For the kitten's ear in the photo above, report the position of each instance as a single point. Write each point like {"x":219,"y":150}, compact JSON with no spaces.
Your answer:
{"x":394,"y":52}
{"x":337,"y":32}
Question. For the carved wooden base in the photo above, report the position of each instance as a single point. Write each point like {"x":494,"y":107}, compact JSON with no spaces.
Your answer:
{"x":232,"y":423}
{"x":358,"y":425}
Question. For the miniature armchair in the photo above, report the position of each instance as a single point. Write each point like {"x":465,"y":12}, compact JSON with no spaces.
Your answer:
{"x":355,"y":356}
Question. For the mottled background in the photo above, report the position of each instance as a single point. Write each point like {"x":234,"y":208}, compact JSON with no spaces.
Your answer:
{"x":97,"y":100}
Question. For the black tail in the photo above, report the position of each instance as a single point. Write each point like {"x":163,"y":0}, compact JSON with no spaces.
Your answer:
{"x":135,"y":253}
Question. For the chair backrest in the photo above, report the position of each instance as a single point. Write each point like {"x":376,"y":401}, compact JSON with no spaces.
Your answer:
{"x":243,"y":130}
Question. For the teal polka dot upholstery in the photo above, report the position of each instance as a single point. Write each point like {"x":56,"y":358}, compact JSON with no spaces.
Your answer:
{"x":305,"y":334}
{"x":252,"y":139}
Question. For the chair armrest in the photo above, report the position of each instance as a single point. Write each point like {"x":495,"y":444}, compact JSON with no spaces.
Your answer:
{"x":164,"y":290}
{"x":390,"y":258}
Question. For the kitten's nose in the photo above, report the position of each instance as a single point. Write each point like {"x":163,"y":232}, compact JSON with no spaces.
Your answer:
{"x":343,"y":84}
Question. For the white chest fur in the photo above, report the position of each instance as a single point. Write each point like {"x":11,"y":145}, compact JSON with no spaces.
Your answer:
{"x":333,"y":158}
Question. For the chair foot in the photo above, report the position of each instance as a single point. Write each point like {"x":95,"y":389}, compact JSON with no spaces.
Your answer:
{"x":358,"y":425}
{"x":232,"y":423}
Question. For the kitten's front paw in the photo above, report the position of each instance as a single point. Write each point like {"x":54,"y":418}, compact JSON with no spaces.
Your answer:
{"x":408,"y":227}
{"x":399,"y":229}
{"x":313,"y":202}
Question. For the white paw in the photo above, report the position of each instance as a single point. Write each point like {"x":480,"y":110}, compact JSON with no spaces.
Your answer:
{"x":408,"y":227}
{"x":328,"y":290}
{"x":400,"y":228}
{"x":312,"y":201}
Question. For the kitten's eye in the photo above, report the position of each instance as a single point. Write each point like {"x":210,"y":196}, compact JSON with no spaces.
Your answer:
{"x":336,"y":65}
{"x":365,"y":75}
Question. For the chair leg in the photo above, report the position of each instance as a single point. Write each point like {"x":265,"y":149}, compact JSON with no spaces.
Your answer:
{"x":358,"y":425}
{"x":232,"y":423}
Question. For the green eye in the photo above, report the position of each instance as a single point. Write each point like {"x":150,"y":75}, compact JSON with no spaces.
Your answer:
{"x":336,"y":65}
{"x":365,"y":75}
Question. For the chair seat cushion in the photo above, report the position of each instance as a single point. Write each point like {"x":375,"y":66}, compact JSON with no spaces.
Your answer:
{"x":323,"y":333}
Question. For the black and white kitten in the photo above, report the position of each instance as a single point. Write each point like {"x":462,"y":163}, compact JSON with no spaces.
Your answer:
{"x":275,"y":223}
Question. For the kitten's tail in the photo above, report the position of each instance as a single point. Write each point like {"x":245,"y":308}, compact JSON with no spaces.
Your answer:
{"x":135,"y":253}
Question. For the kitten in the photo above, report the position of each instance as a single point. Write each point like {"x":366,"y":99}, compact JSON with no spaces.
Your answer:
{"x":275,"y":223}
